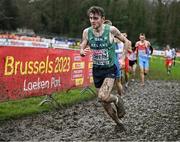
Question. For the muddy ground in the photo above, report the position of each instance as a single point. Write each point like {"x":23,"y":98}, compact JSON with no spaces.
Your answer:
{"x":153,"y":114}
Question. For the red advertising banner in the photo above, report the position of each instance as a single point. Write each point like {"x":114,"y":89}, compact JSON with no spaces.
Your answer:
{"x":26,"y":72}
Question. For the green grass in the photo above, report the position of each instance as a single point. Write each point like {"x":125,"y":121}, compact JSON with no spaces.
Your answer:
{"x":158,"y":70}
{"x":30,"y":106}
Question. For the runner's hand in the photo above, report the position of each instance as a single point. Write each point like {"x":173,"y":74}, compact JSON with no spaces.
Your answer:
{"x":83,"y":52}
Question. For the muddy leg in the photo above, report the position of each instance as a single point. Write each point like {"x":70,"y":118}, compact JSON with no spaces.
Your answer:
{"x":111,"y":112}
{"x":107,"y":98}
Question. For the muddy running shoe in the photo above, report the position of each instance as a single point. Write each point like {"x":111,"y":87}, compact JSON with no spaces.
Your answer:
{"x":120,"y":107}
{"x":119,"y":128}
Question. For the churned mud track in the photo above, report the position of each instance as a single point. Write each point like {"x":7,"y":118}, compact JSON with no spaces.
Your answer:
{"x":153,"y":113}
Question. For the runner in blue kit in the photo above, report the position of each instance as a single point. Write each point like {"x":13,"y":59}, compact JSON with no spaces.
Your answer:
{"x":143,"y":50}
{"x":100,"y":38}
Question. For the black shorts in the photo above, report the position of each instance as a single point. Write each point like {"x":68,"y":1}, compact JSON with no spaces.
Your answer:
{"x":99,"y":74}
{"x":131,"y":63}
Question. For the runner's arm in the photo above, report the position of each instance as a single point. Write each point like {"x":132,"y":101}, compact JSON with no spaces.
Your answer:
{"x":136,"y":46}
{"x":117,"y":34}
{"x":151,"y":49}
{"x":148,"y":44}
{"x":84,"y":44}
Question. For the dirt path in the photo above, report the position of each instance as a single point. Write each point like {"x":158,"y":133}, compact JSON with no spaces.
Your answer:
{"x":153,"y":113}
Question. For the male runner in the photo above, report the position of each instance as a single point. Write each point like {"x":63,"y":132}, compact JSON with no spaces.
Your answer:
{"x":133,"y":61}
{"x":143,"y":49}
{"x":168,"y":59}
{"x":100,"y":38}
{"x":126,"y":69}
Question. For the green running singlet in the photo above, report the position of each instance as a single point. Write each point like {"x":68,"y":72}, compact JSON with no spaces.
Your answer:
{"x":103,"y":51}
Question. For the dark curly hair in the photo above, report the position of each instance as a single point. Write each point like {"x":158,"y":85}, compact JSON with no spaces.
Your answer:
{"x":96,"y":10}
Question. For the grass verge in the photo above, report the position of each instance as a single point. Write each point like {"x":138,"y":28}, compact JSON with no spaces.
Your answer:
{"x":158,"y":70}
{"x":29,"y":106}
